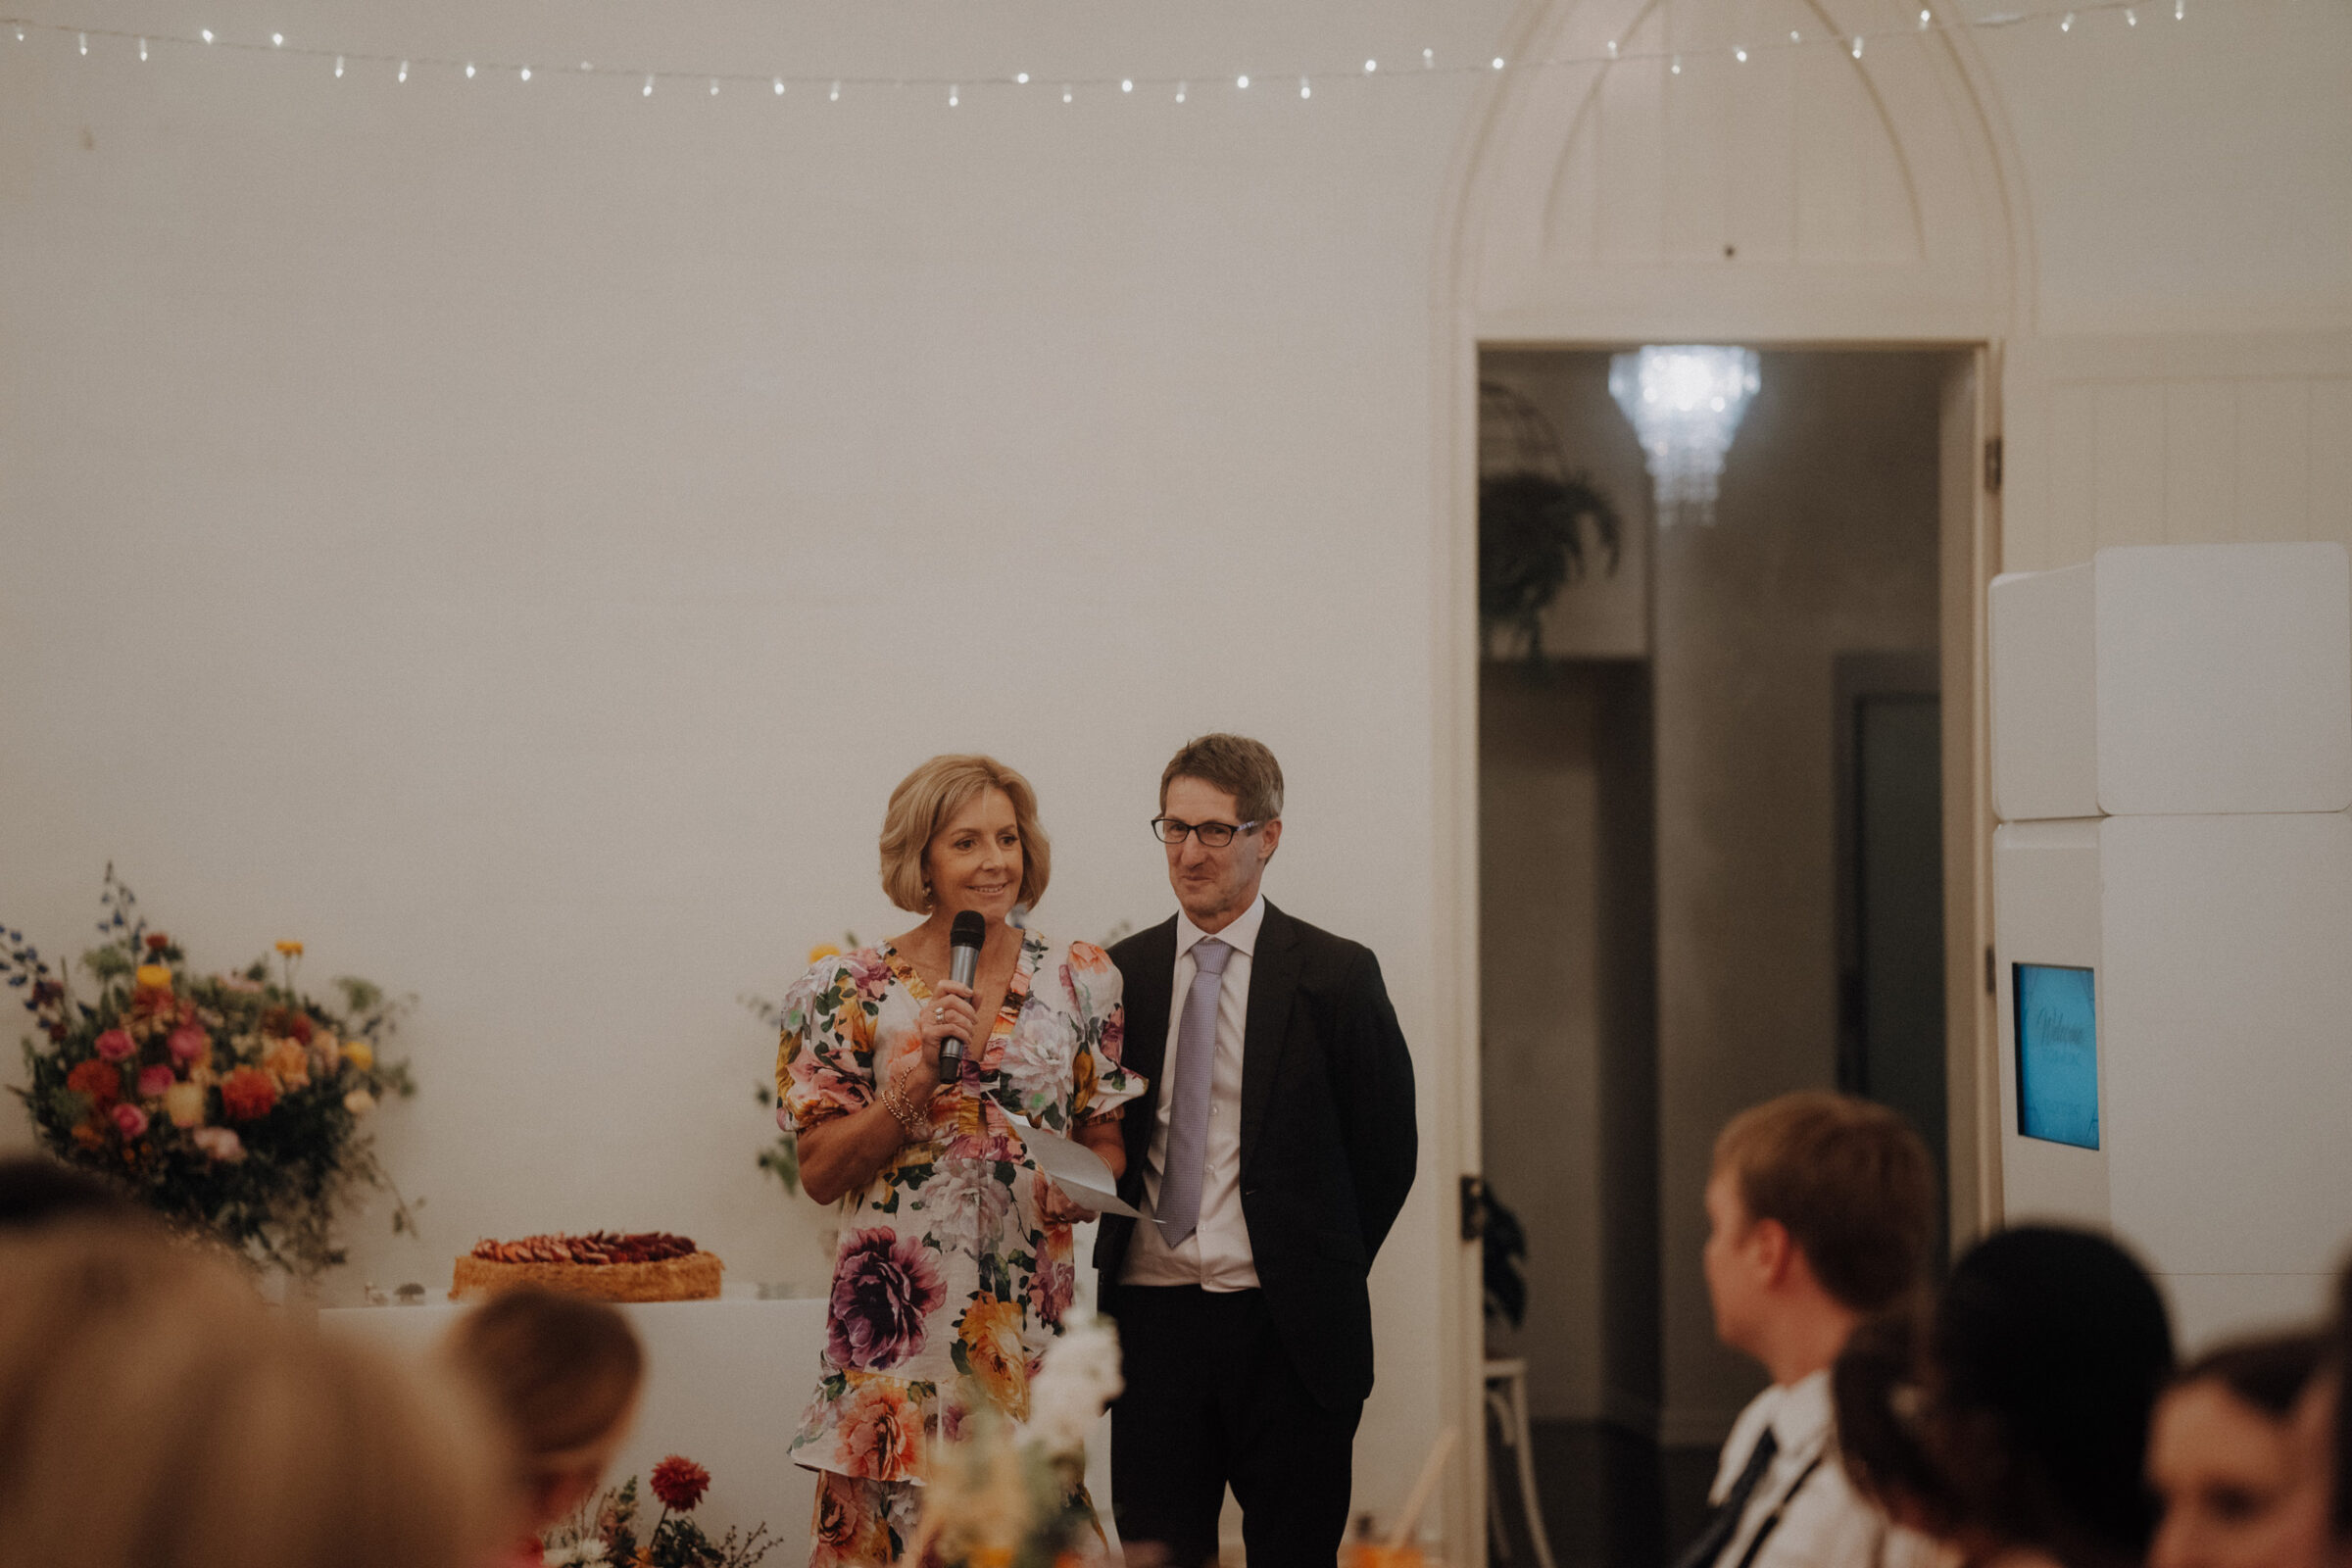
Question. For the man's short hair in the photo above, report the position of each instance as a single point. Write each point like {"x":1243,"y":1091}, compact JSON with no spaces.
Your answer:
{"x":1236,"y":764}
{"x":1849,"y":1180}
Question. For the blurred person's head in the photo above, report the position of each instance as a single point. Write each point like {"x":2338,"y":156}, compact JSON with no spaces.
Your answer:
{"x":35,"y":1190}
{"x":562,"y":1375}
{"x":1821,"y":1210}
{"x":154,"y":1414}
{"x":2222,"y":1458}
{"x":2044,"y":1358}
{"x":1876,"y":1398}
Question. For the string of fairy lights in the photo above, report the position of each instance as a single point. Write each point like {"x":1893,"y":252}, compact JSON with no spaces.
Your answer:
{"x":355,"y":64}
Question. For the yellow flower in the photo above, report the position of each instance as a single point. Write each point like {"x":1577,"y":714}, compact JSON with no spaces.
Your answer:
{"x":292,"y":949}
{"x":360,"y":1053}
{"x":991,"y":1332}
{"x":153,"y":977}
{"x":823,"y":951}
{"x":184,"y":1105}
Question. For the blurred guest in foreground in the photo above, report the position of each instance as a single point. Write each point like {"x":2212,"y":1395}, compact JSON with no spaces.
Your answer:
{"x":2222,"y":1457}
{"x":1874,"y":1390}
{"x":35,"y":1190}
{"x":561,"y":1377}
{"x":2046,"y":1352}
{"x":154,"y":1414}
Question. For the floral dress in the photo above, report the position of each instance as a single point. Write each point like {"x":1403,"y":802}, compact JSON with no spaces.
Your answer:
{"x":948,"y":1284}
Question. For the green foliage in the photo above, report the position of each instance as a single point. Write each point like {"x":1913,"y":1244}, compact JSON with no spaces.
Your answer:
{"x":1531,"y":543}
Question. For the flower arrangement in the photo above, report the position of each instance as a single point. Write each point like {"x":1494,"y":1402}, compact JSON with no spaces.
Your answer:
{"x":232,"y":1104}
{"x":1010,"y":1494}
{"x":603,"y":1529}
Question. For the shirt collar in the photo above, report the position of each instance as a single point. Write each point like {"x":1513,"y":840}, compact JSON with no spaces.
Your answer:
{"x":1801,"y":1417}
{"x":1241,"y":936}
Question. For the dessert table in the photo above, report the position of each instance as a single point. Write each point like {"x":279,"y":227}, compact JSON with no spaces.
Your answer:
{"x":725,"y":1384}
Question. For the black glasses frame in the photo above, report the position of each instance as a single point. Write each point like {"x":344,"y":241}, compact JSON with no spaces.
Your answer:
{"x":1212,"y":835}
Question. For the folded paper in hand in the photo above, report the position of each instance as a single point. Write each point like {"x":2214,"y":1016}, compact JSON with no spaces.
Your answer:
{"x":1076,"y":1169}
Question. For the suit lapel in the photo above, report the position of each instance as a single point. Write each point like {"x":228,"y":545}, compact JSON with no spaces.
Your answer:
{"x":1146,"y":981}
{"x":1273,"y":982}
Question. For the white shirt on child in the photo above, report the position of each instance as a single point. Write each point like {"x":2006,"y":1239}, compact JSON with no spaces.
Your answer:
{"x":1824,"y":1523}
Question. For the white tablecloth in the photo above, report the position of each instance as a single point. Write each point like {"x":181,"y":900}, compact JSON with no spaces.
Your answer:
{"x":726,"y":1384}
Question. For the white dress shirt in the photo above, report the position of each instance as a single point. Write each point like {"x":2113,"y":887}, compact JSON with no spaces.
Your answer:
{"x":1824,"y":1523}
{"x":1216,"y":1255}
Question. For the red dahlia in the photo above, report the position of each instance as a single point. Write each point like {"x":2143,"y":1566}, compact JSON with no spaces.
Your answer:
{"x":680,"y":1482}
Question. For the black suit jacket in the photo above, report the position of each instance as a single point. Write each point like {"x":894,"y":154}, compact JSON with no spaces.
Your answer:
{"x":1328,"y":1137}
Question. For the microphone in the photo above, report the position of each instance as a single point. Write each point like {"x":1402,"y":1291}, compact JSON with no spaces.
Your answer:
{"x":964,"y":963}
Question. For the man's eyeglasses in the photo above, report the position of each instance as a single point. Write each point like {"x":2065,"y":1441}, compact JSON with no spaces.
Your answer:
{"x":1212,"y":835}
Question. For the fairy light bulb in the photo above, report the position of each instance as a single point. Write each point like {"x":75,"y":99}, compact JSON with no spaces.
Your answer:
{"x":1127,"y":85}
{"x":1242,"y":82}
{"x":835,"y":96}
{"x":142,"y":48}
{"x":1371,"y":66}
{"x":2180,"y":10}
{"x":1021,"y":77}
{"x":1429,"y":60}
{"x":1304,"y":92}
{"x":1795,"y":37}
{"x":1180,"y":91}
{"x":1924,"y":17}
{"x":2066,"y":23}
{"x":1677,"y":67}
{"x":1857,"y":46}
{"x":1499,"y":62}
{"x":339,"y":69}
{"x":206,"y":35}
{"x":469,"y":70}
{"x":953,"y":98}
{"x":1740,"y":55}
{"x":646,"y":91}
{"x":525,"y":73}
{"x":1612,"y":48}
{"x":85,"y":43}
{"x":403,"y":71}
{"x":714,"y":86}
{"x":779,"y":86}
{"x":278,"y":40}
{"x":2131,"y":18}
{"x":1066,"y":95}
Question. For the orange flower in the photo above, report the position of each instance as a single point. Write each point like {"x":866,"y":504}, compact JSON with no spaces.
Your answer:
{"x":881,"y":1429}
{"x":248,"y":1092}
{"x":292,"y":949}
{"x":288,"y":1062}
{"x":990,"y":1337}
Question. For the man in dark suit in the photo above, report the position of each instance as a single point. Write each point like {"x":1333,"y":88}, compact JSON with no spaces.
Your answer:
{"x":1269,"y":1157}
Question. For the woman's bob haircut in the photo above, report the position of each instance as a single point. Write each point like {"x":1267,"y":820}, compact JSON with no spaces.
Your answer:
{"x":921,"y":805}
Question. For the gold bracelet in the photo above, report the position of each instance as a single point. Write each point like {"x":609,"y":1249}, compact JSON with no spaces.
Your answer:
{"x":901,"y":1109}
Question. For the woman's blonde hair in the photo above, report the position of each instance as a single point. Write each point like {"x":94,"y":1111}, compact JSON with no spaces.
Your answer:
{"x":154,"y":1414}
{"x":933,"y":793}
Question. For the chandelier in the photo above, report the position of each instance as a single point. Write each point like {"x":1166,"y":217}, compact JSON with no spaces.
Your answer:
{"x":1685,"y":402}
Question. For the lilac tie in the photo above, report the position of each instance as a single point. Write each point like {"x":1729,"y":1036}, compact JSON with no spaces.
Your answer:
{"x":1187,"y":1121}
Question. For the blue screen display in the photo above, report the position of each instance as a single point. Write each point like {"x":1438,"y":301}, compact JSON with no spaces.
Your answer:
{"x":2057,"y":1055}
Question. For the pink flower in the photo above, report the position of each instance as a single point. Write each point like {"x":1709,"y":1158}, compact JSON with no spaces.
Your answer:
{"x":153,"y":1081}
{"x":189,"y":1043}
{"x":220,"y":1143}
{"x":884,"y":1289}
{"x":129,"y":1120}
{"x":115,"y":1046}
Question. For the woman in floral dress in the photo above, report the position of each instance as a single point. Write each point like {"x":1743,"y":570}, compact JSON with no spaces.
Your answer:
{"x":955,"y":1263}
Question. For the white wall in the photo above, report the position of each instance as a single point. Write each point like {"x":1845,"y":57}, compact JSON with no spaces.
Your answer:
{"x":512,"y":538}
